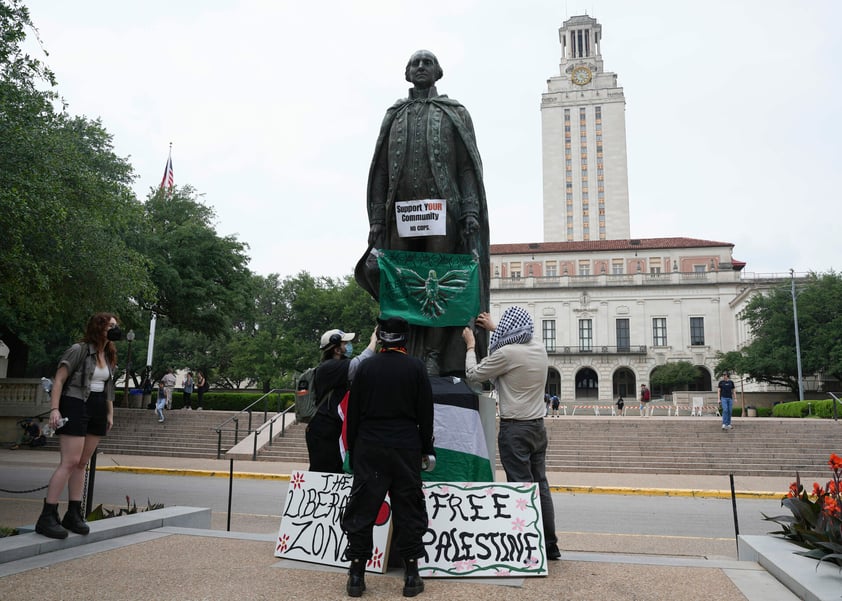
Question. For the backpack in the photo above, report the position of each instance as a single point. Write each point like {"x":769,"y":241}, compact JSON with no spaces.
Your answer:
{"x":306,"y":403}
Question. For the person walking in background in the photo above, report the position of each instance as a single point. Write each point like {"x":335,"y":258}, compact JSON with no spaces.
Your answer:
{"x":83,"y":393}
{"x":555,"y":402}
{"x":517,"y":364}
{"x":389,"y":429}
{"x":726,"y":399}
{"x":330,"y":382}
{"x":202,"y":387}
{"x":169,"y":384}
{"x":161,"y":402}
{"x":620,"y":404}
{"x":645,"y":397}
{"x":188,"y":390}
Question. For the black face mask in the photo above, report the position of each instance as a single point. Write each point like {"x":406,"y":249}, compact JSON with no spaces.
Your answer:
{"x":115,"y":333}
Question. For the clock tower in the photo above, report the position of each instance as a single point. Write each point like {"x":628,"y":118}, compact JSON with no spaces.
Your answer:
{"x":583,"y":126}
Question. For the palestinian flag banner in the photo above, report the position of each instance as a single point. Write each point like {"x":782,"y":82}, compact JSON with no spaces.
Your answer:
{"x":429,"y":289}
{"x":461,"y":452}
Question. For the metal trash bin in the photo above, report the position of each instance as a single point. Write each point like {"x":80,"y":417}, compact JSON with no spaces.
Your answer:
{"x":135,"y":398}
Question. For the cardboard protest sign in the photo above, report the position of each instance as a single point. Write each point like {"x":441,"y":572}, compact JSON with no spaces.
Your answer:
{"x":474,"y":529}
{"x":483,"y":529}
{"x":310,"y":524}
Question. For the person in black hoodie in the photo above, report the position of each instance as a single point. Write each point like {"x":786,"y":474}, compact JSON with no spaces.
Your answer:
{"x":331,"y":381}
{"x":389,"y":427}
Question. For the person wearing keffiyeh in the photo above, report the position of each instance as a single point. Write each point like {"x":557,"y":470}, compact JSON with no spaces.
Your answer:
{"x":517,"y":366}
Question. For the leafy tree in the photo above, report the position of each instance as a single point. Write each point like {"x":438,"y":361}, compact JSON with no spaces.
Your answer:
{"x":770,"y":356}
{"x":202,"y":279}
{"x":289,"y":317}
{"x":674,"y":376}
{"x":66,"y":207}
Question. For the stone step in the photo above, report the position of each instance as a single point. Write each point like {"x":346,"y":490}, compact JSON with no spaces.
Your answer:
{"x":756,"y":446}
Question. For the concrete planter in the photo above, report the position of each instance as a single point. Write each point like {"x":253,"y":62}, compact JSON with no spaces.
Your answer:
{"x":806,"y":578}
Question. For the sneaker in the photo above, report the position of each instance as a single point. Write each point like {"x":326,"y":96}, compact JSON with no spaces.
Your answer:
{"x":730,"y":426}
{"x":724,"y":427}
{"x":161,"y":421}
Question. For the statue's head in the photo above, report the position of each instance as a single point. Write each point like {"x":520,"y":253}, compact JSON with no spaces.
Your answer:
{"x":423,"y":69}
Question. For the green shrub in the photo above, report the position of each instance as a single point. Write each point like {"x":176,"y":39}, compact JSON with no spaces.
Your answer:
{"x":811,"y":408}
{"x":7,"y":531}
{"x":764,"y":412}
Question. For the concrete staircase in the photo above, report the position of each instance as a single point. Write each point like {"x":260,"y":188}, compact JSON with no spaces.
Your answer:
{"x":667,"y":445}
{"x":183,"y":433}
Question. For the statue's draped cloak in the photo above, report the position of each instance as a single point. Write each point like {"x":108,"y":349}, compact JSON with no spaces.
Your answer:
{"x":392,"y":140}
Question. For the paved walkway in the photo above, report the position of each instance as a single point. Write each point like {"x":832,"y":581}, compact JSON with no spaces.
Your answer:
{"x":185,"y":564}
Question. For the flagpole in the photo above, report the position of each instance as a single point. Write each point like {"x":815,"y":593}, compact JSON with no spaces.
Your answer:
{"x":168,"y":180}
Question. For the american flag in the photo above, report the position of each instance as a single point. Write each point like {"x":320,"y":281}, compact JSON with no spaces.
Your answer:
{"x":168,"y":180}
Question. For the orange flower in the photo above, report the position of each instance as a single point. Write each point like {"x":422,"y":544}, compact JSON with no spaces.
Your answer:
{"x":835,"y":462}
{"x":793,"y":490}
{"x":817,"y":490}
{"x":831,"y":507}
{"x":831,"y":488}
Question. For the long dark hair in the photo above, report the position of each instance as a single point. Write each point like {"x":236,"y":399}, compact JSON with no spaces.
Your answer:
{"x":96,"y":333}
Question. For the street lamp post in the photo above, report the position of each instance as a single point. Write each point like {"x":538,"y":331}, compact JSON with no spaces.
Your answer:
{"x":130,"y":338}
{"x":797,"y":341}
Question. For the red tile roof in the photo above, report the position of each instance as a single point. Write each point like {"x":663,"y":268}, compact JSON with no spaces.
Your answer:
{"x":597,"y":245}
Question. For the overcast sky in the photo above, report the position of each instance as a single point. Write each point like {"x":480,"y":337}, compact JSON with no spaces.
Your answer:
{"x":273,"y":107}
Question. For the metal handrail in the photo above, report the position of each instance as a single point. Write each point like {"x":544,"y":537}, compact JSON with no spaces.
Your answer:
{"x":835,"y":400}
{"x":271,"y":423}
{"x":236,"y":418}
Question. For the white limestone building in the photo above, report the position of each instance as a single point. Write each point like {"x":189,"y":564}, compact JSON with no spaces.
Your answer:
{"x":583,"y":125}
{"x":610,"y":309}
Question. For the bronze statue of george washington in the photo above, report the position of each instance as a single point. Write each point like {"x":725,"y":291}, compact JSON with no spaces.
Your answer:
{"x":427,"y":149}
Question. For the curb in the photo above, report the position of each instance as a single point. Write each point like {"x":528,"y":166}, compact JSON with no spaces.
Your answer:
{"x":594,"y":490}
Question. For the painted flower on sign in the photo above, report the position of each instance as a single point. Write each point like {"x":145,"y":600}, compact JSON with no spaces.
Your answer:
{"x":283,"y":543}
{"x":297,"y":480}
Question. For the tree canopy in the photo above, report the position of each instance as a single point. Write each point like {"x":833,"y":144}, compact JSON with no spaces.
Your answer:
{"x":771,"y":354}
{"x":65,"y":209}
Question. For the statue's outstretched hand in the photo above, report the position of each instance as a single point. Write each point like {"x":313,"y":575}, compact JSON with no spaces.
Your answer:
{"x":375,"y":233}
{"x":470,"y":227}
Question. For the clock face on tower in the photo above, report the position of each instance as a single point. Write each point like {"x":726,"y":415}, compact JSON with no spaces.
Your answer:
{"x":581,"y":76}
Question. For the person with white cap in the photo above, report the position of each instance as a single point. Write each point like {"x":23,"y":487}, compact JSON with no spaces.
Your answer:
{"x":331,"y":381}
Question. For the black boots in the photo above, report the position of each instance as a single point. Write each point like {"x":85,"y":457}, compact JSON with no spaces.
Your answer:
{"x":47,"y":523}
{"x":412,"y":584}
{"x":74,"y":520}
{"x":356,"y":578}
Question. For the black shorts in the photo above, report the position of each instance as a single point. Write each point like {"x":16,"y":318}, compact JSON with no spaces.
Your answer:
{"x":84,"y":418}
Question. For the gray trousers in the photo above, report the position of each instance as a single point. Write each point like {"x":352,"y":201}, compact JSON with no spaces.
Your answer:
{"x":523,"y":453}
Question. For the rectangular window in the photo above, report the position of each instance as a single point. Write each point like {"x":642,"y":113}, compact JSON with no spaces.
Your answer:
{"x":585,"y":335}
{"x":617,"y":266}
{"x":623,"y":335}
{"x":549,"y":335}
{"x":659,"y":331}
{"x":697,"y":331}
{"x":584,"y":268}
{"x":551,"y":269}
{"x":514,"y":269}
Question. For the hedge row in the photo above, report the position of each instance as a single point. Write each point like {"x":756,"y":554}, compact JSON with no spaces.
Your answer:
{"x":822,"y":409}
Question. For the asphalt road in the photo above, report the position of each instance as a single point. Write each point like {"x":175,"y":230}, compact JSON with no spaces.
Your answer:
{"x":584,"y":513}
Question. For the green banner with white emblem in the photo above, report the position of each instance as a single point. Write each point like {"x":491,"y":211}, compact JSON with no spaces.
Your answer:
{"x":429,"y":289}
